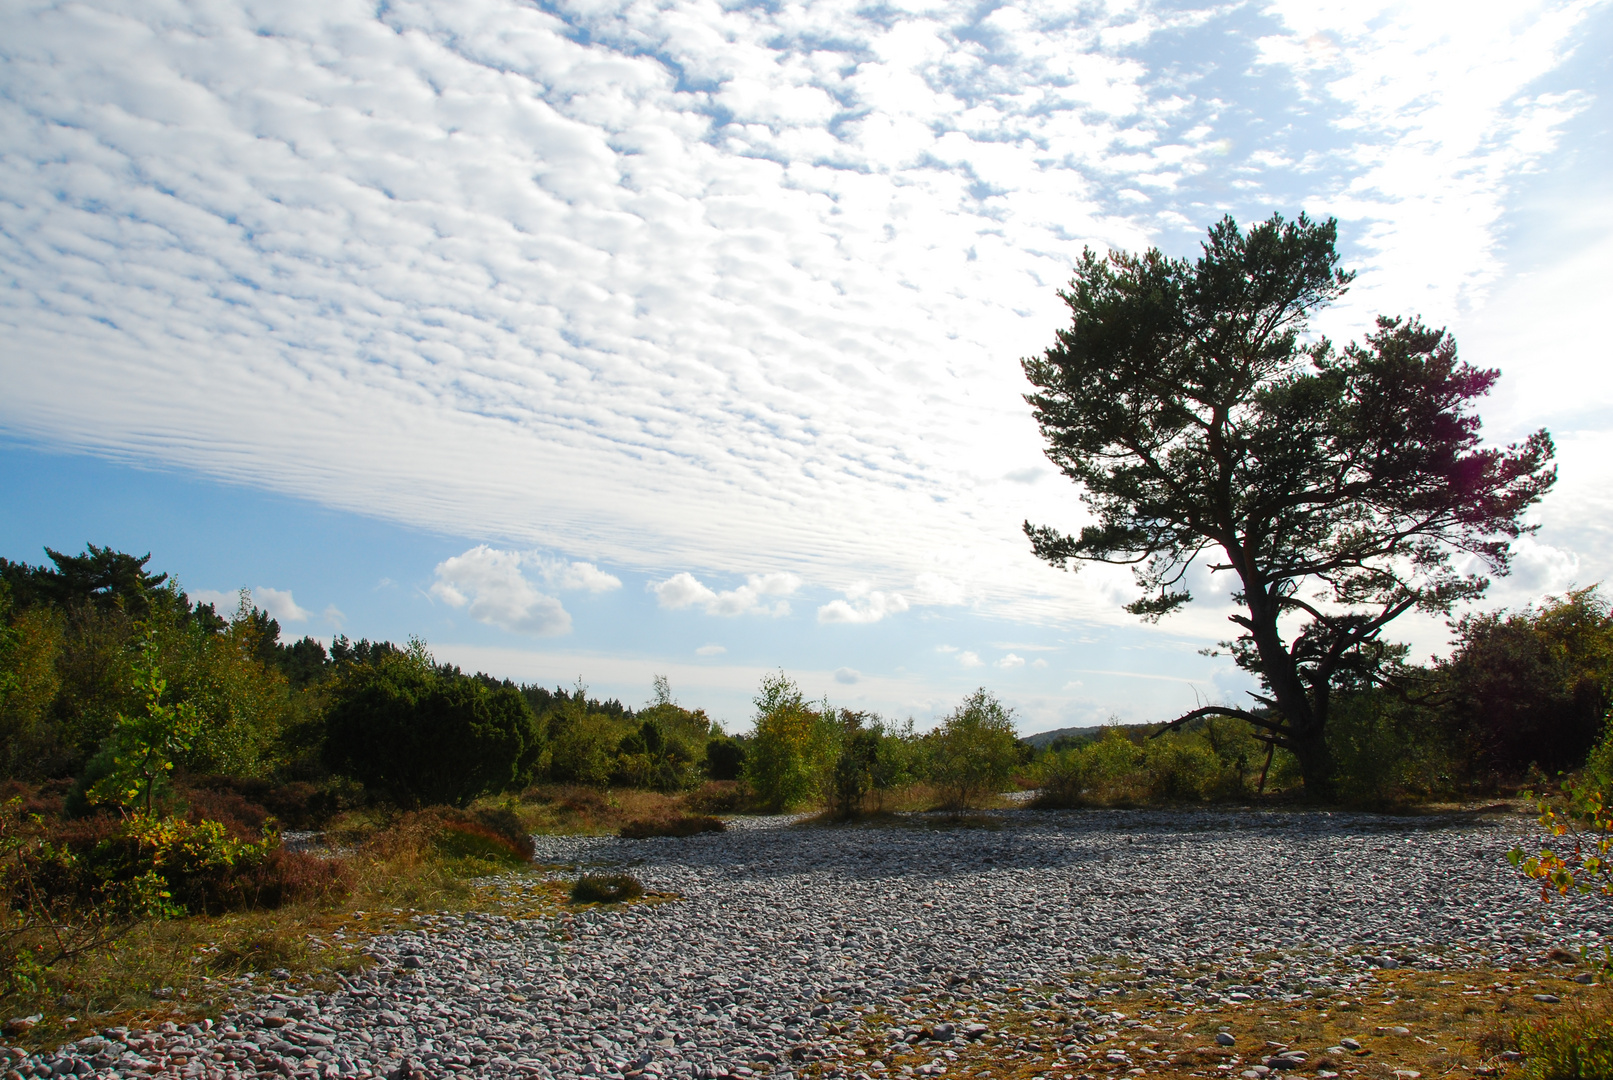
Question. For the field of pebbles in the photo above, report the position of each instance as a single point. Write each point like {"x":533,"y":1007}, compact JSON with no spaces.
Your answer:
{"x":785,"y":935}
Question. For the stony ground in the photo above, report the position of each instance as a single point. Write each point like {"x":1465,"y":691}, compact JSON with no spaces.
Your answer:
{"x":785,"y":948}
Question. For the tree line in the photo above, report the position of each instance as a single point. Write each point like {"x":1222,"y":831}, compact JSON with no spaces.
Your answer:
{"x":113,"y":679}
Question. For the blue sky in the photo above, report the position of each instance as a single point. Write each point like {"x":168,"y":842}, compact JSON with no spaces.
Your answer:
{"x":609,"y":339}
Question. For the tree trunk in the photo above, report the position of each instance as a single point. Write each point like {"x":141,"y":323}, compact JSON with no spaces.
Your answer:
{"x":1304,"y":722}
{"x":1315,"y":762}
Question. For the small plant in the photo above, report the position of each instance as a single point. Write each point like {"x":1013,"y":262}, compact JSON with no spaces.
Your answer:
{"x":143,"y":747}
{"x":606,"y":889}
{"x":1584,"y":821}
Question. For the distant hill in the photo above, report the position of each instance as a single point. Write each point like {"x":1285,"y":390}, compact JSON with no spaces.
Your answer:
{"x":1043,"y":739}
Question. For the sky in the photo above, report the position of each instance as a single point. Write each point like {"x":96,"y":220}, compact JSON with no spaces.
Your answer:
{"x":599,"y":339}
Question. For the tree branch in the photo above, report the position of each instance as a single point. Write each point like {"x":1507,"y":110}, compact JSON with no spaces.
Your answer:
{"x":1221,"y":710}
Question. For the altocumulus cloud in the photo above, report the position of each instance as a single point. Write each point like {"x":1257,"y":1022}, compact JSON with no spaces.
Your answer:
{"x":707,"y":279}
{"x":752,"y":598}
{"x":492,"y":586}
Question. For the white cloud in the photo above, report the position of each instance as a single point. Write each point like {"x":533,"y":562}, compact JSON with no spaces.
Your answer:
{"x":710,"y":650}
{"x":1038,"y":663}
{"x":490,"y":585}
{"x":333,"y":615}
{"x":847,"y":676}
{"x":969,"y":659}
{"x":278,"y":602}
{"x":1011,"y":661}
{"x":863,"y":604}
{"x":683,"y":590}
{"x":223,"y":602}
{"x":578,"y":575}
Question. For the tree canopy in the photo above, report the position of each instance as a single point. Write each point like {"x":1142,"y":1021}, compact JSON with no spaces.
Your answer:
{"x":429,"y":735}
{"x":1339,"y":486}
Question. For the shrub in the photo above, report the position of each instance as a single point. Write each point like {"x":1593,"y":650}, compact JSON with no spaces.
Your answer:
{"x":1082,"y":774}
{"x":654,"y":759}
{"x":975,"y":750}
{"x":853,"y":775}
{"x":143,"y":744}
{"x":1531,"y":686}
{"x":898,"y":761}
{"x":1385,"y":750}
{"x":725,"y":758}
{"x":297,"y":804}
{"x":687,"y":825}
{"x":1575,"y":1046}
{"x":606,"y":889}
{"x":135,"y":867}
{"x":583,"y":746}
{"x":718,"y":797}
{"x":1179,"y":769}
{"x":791,"y":749}
{"x":1207,"y":762}
{"x":474,"y":840}
{"x":424,"y":735}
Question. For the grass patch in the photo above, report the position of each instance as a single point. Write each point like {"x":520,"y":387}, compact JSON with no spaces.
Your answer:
{"x":573,"y":810}
{"x":1461,"y":1023}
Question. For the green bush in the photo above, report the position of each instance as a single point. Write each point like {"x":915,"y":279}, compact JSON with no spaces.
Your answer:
{"x":975,"y":750}
{"x":1080,"y":775}
{"x":792,"y":749}
{"x":1388,"y":751}
{"x":1208,"y":762}
{"x":1180,"y":770}
{"x":462,"y":839}
{"x":425,"y":735}
{"x":898,"y":761}
{"x":853,"y":774}
{"x":1528,"y":687}
{"x":136,"y":867}
{"x":654,"y":758}
{"x":606,"y":889}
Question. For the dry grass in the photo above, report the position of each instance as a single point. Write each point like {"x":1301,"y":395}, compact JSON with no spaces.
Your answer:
{"x":569,"y":810}
{"x":1457,"y":1024}
{"x":925,"y":798}
{"x":190,"y":967}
